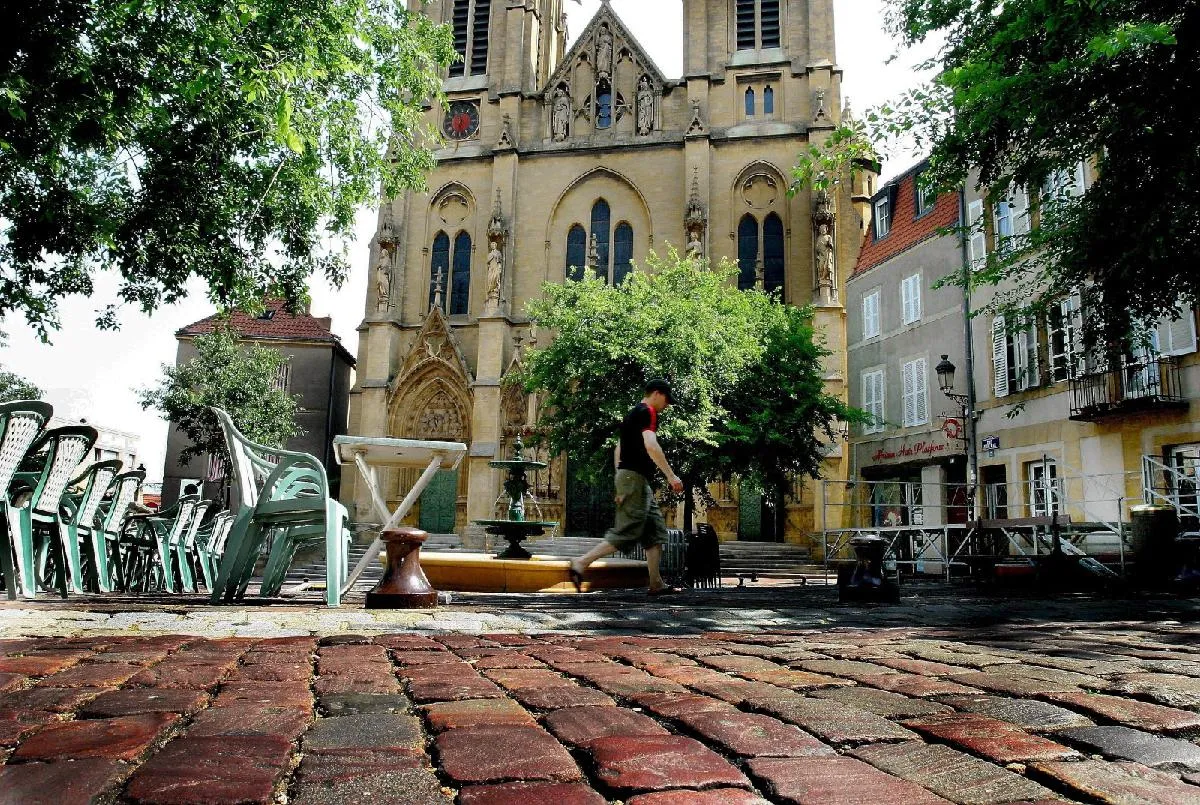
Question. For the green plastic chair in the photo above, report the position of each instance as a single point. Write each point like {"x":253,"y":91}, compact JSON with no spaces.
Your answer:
{"x":283,"y":494}
{"x":86,"y":550}
{"x":20,"y":423}
{"x":183,"y":546}
{"x":35,"y":525}
{"x":111,"y":520}
{"x":210,"y":546}
{"x":149,"y":539}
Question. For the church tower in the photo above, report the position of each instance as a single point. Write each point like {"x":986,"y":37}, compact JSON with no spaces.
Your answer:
{"x":555,"y":158}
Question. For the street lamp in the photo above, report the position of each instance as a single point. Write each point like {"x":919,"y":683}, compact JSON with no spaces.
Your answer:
{"x":945,"y":374}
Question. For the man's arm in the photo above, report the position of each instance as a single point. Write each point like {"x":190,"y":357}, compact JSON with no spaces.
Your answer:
{"x":617,"y":456}
{"x":659,"y":458}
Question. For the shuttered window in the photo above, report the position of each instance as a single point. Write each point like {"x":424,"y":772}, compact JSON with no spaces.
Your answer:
{"x":977,"y":243}
{"x":871,"y":327}
{"x":1177,"y":334}
{"x":873,"y":399}
{"x":910,"y":298}
{"x":470,"y":20}
{"x":1065,"y":340}
{"x":999,"y":357}
{"x":916,"y":393}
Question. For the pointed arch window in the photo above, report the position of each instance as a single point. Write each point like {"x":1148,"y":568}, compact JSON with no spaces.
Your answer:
{"x":757,"y":24}
{"x":460,"y":292}
{"x":750,"y":102}
{"x":603,"y":104}
{"x":576,"y":252}
{"x":622,"y":252}
{"x":768,"y":101}
{"x":773,"y":253}
{"x":470,"y":20}
{"x":601,"y":217}
{"x":747,"y":251}
{"x":439,"y":267}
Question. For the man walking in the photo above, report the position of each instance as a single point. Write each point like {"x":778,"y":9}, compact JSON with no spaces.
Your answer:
{"x":638,"y":519}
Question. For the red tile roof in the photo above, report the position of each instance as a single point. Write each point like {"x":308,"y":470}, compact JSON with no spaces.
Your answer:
{"x":907,"y":230}
{"x":280,"y":326}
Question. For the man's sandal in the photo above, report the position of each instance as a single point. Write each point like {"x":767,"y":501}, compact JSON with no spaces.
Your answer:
{"x":668,"y":590}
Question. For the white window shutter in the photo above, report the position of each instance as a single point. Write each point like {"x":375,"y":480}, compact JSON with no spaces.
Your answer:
{"x":920,"y":392}
{"x":880,"y":399}
{"x":909,"y":411}
{"x":1078,"y":187}
{"x":977,"y":245}
{"x":999,"y":357}
{"x":1177,"y":336}
{"x":1032,"y":373}
{"x":1020,"y":212}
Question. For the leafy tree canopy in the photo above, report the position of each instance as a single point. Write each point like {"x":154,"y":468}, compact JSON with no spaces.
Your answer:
{"x":237,"y":377}
{"x":225,"y":140}
{"x":745,"y":368}
{"x":1027,"y":88}
{"x":14,"y":387}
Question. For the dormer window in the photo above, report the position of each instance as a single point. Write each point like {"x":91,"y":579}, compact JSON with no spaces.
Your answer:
{"x":470,"y":20}
{"x":757,"y":24}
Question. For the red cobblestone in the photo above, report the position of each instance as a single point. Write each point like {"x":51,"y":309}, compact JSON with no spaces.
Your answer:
{"x":39,"y":664}
{"x":717,"y":796}
{"x":54,"y":700}
{"x":75,"y":783}
{"x":579,"y":726}
{"x":508,"y":661}
{"x":476,"y":713}
{"x":1119,"y":782}
{"x":198,"y":771}
{"x":286,"y":722}
{"x":91,"y":675}
{"x":243,"y":694}
{"x":282,"y":656}
{"x":327,"y":685}
{"x":1132,"y":713}
{"x":881,"y":702}
{"x":952,"y":774}
{"x":11,"y":681}
{"x":499,"y":753}
{"x":174,"y":674}
{"x":835,"y":722}
{"x":1011,"y":684}
{"x":530,"y":794}
{"x":651,"y":763}
{"x":408,"y":642}
{"x":673,"y":705}
{"x":135,"y":701}
{"x":123,"y":738}
{"x":410,"y":659}
{"x":993,"y":739}
{"x":922,"y":667}
{"x":752,"y":735}
{"x":448,"y":689}
{"x":272,"y":672}
{"x":366,"y":775}
{"x":558,"y":697}
{"x":520,"y":678}
{"x":913,"y":685}
{"x":12,"y":730}
{"x":1171,"y":690}
{"x":836,"y":781}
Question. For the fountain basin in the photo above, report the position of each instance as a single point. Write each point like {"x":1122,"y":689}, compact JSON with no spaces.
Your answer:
{"x":514,"y":531}
{"x":484,"y":573}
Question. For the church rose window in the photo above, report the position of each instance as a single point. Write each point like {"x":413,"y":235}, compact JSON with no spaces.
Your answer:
{"x":460,"y":293}
{"x":622,"y":252}
{"x":576,"y":253}
{"x":439,"y":266}
{"x":773,"y":253}
{"x":747,"y":251}
{"x":601,"y":216}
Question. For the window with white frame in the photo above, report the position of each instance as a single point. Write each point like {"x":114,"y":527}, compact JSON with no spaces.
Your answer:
{"x":1177,"y":333}
{"x":1043,"y":488}
{"x":871,"y":327}
{"x":1014,"y":356}
{"x":916,"y":392}
{"x":1063,"y":183}
{"x":926,"y":196}
{"x":910,"y":298}
{"x":283,"y":376}
{"x":977,"y":238}
{"x":883,"y":216}
{"x":873,"y":390}
{"x":1011,"y":219}
{"x":1065,"y":340}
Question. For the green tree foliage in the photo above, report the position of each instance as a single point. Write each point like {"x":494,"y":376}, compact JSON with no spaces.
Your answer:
{"x":165,"y":139}
{"x":233,"y":376}
{"x":746,"y":371}
{"x":1028,"y":87}
{"x":15,"y":387}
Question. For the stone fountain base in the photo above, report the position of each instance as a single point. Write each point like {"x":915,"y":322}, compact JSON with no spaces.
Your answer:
{"x":484,"y":573}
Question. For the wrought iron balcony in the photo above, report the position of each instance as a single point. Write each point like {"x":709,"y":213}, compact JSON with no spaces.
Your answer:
{"x":1135,"y":386}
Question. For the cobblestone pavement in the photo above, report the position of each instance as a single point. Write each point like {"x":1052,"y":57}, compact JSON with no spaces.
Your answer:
{"x":942,"y":699}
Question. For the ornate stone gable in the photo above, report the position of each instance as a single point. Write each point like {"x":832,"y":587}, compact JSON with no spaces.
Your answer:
{"x":435,"y":347}
{"x":430,"y":396}
{"x":606,"y":84}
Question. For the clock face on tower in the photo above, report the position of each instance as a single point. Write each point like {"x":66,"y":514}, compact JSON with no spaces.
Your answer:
{"x":461,"y":121}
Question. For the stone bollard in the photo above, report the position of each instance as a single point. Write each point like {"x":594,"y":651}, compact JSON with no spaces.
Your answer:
{"x":404,"y":585}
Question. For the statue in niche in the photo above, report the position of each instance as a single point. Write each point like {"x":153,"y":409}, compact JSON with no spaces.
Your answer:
{"x":604,"y":52}
{"x":645,"y":107}
{"x":495,"y":273}
{"x":825,"y":269}
{"x":694,"y":247}
{"x":383,"y":282}
{"x":560,"y":115}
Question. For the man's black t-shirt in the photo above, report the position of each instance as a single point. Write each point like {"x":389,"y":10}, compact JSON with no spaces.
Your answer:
{"x":634,"y":457}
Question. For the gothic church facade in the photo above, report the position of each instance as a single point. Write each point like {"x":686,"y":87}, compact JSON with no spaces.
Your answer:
{"x":556,"y":158}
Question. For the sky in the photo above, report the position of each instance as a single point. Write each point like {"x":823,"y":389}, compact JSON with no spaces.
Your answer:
{"x":95,"y":374}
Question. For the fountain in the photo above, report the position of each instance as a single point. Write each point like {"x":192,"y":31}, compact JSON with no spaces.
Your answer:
{"x":516,"y":528}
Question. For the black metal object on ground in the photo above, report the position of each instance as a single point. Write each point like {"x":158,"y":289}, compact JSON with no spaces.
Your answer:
{"x":702,"y":564}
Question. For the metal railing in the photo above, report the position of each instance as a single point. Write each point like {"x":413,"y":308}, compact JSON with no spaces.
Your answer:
{"x":1166,"y":485}
{"x":1133,"y":386}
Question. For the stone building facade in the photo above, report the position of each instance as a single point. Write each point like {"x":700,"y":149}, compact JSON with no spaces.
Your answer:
{"x":557,"y":158}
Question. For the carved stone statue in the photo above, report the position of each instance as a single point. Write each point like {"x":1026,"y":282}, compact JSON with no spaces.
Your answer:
{"x":645,"y":107}
{"x":604,"y":52}
{"x":826,"y":274}
{"x":495,"y":273}
{"x":383,"y":282}
{"x":694,"y":247}
{"x":560,"y":115}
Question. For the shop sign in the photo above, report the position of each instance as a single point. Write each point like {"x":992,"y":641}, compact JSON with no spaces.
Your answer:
{"x":922,"y":448}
